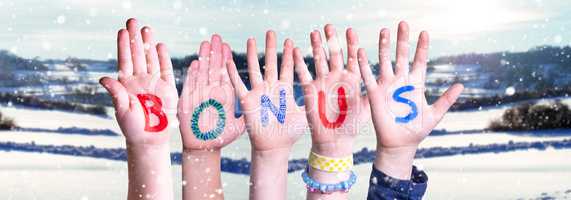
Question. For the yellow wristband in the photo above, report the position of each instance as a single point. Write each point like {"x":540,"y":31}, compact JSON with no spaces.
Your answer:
{"x":329,"y":164}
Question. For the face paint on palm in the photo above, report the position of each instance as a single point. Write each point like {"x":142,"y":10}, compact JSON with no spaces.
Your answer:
{"x":152,"y":105}
{"x":266,"y":104}
{"x":341,"y":101}
{"x":214,"y":133}
{"x":413,"y":108}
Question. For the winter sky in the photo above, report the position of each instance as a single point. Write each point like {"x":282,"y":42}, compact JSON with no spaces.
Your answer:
{"x":87,"y":28}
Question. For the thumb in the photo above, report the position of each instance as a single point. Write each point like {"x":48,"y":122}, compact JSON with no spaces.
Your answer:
{"x":449,"y":97}
{"x":118,"y":93}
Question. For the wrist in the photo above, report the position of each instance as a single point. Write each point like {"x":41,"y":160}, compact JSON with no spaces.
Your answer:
{"x":333,"y":149}
{"x":273,"y":161}
{"x":149,"y":165}
{"x":159,"y":142}
{"x":268,"y":171}
{"x":395,"y":161}
{"x":200,"y":157}
{"x":328,"y":177}
{"x":147,"y":148}
{"x":201,"y":174}
{"x":271,"y":155}
{"x":202,"y":153}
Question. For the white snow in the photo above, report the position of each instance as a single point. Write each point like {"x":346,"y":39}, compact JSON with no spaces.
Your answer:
{"x":486,"y":176}
{"x":31,"y":118}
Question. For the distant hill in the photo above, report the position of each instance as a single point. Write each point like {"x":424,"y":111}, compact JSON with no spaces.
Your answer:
{"x":536,"y":69}
{"x":9,"y":62}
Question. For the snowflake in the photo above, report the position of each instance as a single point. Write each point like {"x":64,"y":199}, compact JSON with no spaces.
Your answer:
{"x":60,"y":19}
{"x":510,"y":91}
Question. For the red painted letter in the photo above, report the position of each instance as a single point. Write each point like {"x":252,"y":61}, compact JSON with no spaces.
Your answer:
{"x":341,"y":100}
{"x":155,"y":109}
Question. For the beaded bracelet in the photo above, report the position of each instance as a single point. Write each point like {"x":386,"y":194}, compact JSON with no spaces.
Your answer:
{"x":314,"y":186}
{"x":329,"y":164}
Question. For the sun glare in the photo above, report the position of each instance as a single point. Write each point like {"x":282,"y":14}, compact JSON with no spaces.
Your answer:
{"x":463,"y":17}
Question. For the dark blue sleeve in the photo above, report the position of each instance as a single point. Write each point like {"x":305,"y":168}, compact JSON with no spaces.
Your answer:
{"x":384,"y":187}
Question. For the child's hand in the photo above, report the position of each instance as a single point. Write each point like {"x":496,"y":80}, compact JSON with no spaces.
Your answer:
{"x":207,"y":120}
{"x":333,"y":100}
{"x":273,"y":118}
{"x":143,"y":97}
{"x":206,"y":106}
{"x":401,"y":114}
{"x":145,"y":91}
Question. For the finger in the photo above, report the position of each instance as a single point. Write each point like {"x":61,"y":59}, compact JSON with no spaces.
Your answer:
{"x":421,"y":55}
{"x":239,"y":86}
{"x":203,"y":59}
{"x":336,"y":58}
{"x":271,"y":58}
{"x":189,"y":84}
{"x":215,"y":52}
{"x":352,"y":47}
{"x":385,"y":55}
{"x":301,"y":68}
{"x":286,"y":73}
{"x":137,"y":49}
{"x":319,"y":58}
{"x":151,"y":56}
{"x":441,"y":106}
{"x":216,"y":60}
{"x":227,"y":55}
{"x":124,"y":55}
{"x":366,"y":73}
{"x":402,"y":49}
{"x":118,"y":93}
{"x":165,"y":64}
{"x":191,"y":78}
{"x":253,"y":65}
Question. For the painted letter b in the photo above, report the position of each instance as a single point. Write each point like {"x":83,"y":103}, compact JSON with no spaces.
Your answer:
{"x":155,"y":109}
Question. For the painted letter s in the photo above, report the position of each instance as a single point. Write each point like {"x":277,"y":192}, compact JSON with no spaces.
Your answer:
{"x":413,"y":109}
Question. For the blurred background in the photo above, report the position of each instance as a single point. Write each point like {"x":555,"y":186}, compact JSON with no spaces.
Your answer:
{"x":508,"y":137}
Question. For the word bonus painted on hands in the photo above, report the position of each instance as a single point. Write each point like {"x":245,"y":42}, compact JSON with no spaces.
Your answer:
{"x":413,"y":109}
{"x":214,"y":133}
{"x":341,"y":101}
{"x":153,"y":105}
{"x":267,"y":104}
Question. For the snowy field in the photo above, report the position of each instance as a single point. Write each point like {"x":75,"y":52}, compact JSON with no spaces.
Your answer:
{"x":522,"y":174}
{"x":487,"y":176}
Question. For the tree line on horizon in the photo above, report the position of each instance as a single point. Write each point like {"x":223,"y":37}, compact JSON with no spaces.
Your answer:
{"x":509,"y":67}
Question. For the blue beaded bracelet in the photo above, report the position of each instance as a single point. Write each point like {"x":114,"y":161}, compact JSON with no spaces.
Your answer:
{"x":314,"y":186}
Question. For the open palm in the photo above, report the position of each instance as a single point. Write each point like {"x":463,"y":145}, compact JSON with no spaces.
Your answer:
{"x":273,"y":118}
{"x":333,"y":101}
{"x":145,"y":92}
{"x":206,"y":106}
{"x":401,"y":114}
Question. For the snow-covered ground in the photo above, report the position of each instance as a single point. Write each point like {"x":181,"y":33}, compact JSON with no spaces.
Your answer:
{"x":512,"y":175}
{"x":524,"y":174}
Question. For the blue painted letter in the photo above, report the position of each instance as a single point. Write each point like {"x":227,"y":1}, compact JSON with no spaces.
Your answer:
{"x":267,"y":104}
{"x":413,"y":109}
